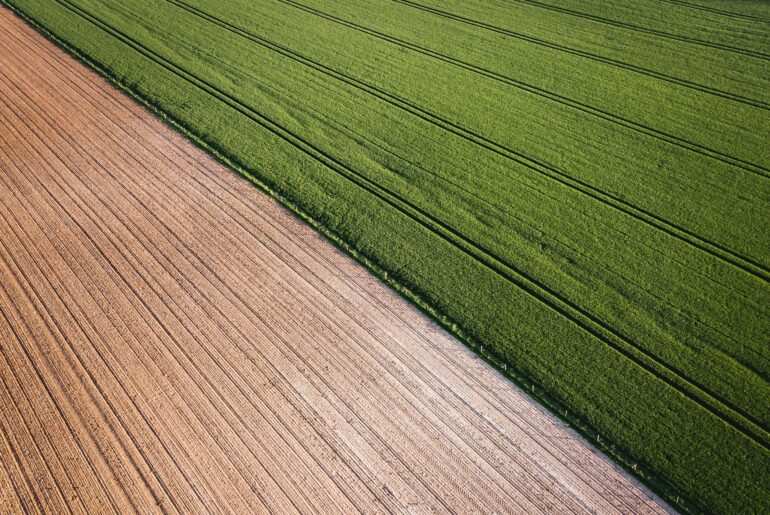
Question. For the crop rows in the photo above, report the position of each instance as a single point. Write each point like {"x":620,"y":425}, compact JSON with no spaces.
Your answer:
{"x":569,"y":193}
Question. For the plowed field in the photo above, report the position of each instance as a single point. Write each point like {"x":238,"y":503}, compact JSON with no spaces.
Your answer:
{"x":171,"y":339}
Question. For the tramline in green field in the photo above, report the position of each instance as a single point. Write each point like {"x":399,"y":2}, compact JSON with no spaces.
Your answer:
{"x":583,"y":188}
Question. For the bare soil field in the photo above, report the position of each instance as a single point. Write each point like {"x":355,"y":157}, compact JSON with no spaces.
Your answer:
{"x":172,"y":339}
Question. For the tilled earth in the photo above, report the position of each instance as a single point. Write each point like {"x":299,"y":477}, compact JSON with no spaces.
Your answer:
{"x":171,"y":339}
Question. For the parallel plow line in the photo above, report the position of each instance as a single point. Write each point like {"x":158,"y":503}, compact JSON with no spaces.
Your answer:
{"x":243,"y":302}
{"x":243,"y":222}
{"x":241,"y":380}
{"x":227,"y":407}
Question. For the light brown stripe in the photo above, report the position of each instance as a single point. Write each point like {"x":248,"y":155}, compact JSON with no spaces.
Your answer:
{"x":174,"y":340}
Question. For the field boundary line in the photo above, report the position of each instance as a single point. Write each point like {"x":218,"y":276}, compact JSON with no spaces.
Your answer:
{"x":55,"y":245}
{"x":553,"y":403}
{"x":35,"y":130}
{"x":183,"y":153}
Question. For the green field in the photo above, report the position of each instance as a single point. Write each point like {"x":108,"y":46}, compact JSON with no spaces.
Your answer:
{"x":582,"y":187}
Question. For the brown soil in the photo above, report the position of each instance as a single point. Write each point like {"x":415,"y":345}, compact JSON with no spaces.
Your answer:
{"x":172,"y":339}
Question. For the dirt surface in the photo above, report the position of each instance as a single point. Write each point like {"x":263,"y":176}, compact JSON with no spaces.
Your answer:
{"x":171,"y":339}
